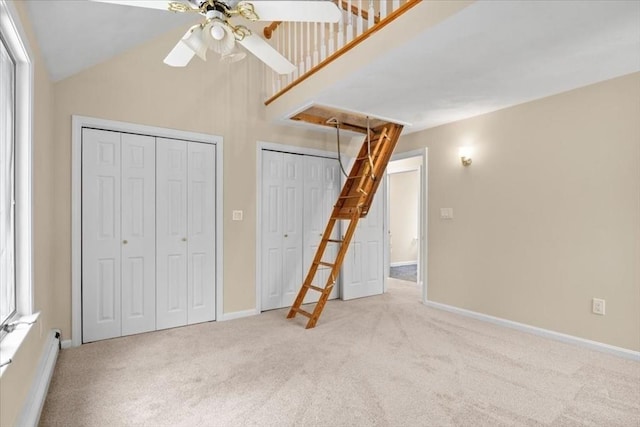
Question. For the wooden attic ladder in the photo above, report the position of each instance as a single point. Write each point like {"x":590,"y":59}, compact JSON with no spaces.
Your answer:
{"x":352,"y":204}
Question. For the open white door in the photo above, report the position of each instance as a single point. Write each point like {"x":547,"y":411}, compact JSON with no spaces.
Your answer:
{"x":363,"y":266}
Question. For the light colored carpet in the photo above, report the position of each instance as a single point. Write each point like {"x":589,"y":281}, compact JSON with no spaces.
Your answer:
{"x":384,"y":361}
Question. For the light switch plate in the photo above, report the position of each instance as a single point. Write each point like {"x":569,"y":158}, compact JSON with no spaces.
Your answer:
{"x":446,"y":213}
{"x":237,"y":215}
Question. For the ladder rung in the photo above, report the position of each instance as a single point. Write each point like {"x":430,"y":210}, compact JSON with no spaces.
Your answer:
{"x":349,"y":197}
{"x":334,"y":241}
{"x":316,"y":288}
{"x":301,"y":311}
{"x":328,"y":264}
{"x":357,"y":176}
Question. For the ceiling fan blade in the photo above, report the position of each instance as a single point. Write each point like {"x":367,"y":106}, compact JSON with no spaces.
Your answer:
{"x":151,"y":4}
{"x":181,"y":54}
{"x":300,"y":11}
{"x":267,"y":54}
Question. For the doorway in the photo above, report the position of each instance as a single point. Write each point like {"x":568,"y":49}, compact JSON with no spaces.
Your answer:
{"x":405,"y":244}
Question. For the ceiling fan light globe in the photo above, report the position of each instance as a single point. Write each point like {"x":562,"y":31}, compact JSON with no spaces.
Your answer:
{"x":217,"y":32}
{"x":234,"y":56}
{"x":196,"y":43}
{"x":222,"y":45}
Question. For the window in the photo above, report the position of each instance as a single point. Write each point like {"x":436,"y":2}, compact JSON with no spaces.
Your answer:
{"x":7,"y":185}
{"x":16,"y":206}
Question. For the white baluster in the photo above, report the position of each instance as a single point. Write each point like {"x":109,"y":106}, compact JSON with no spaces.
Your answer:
{"x":323,"y":41}
{"x":395,"y":4}
{"x":332,"y":41}
{"x":308,"y":57}
{"x":372,"y":16}
{"x":340,"y":33}
{"x":349,"y":23}
{"x":360,"y":19}
{"x":279,"y":48}
{"x":301,"y":50}
{"x":383,"y":9}
{"x":295,"y":50}
{"x":315,"y":44}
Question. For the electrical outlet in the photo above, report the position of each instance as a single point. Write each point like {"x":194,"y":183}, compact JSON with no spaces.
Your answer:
{"x":598,"y":306}
{"x":237,"y":215}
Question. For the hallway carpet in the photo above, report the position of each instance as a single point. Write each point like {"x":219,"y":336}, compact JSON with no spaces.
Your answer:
{"x":380,"y":361}
{"x":405,"y":272}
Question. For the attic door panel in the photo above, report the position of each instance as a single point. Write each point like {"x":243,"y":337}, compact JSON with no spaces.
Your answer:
{"x":101,"y":242}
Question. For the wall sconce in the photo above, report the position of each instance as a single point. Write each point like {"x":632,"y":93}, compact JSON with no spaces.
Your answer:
{"x":465,"y":155}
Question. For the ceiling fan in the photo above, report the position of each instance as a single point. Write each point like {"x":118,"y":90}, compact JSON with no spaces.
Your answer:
{"x":218,"y":33}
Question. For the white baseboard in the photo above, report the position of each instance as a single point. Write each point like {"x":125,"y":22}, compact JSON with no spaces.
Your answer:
{"x":403,"y":263}
{"x":66,"y":344}
{"x":239,"y":314}
{"x":35,"y":400}
{"x":558,"y":336}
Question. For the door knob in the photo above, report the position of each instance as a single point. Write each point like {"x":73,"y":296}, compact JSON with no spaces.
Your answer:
{"x":286,"y":235}
{"x":184,"y":239}
{"x":124,"y":242}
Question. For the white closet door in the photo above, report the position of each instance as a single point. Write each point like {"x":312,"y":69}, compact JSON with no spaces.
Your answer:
{"x":138,"y":234}
{"x":332,"y":188}
{"x":363,"y":269}
{"x":315,"y":221}
{"x":272,"y":231}
{"x":201,"y":236}
{"x":282,"y":185}
{"x":101,"y":242}
{"x":171,"y":233}
{"x":292,"y":226}
{"x":321,"y":189}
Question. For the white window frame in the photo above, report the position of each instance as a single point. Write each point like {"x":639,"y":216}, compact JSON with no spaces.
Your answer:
{"x":15,"y":40}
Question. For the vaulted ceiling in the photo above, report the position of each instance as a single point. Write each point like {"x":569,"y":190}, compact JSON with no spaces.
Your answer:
{"x":490,"y":55}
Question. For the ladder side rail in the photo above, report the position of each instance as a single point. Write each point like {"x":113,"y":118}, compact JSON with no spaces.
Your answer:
{"x":313,"y":269}
{"x":346,"y":241}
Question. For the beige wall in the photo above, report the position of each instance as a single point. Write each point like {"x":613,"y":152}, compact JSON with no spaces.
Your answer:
{"x":404,"y":195}
{"x":212,"y":98}
{"x":547,"y":216}
{"x":16,"y":380}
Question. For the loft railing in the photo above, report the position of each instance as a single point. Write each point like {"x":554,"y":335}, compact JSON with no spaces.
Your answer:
{"x":311,"y":46}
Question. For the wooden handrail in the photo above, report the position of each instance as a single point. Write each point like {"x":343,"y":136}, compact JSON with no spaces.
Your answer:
{"x":390,"y":18}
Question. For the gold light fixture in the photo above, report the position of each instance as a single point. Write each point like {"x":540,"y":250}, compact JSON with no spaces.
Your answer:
{"x":465,"y":155}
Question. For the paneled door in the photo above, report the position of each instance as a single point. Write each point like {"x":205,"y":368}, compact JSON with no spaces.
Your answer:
{"x":363,"y":267}
{"x":201,"y":232}
{"x":138,"y":228}
{"x":118,"y":231}
{"x":185,"y":233}
{"x":101,"y":243}
{"x":281,"y":228}
{"x":321,"y":190}
{"x":171,"y":233}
